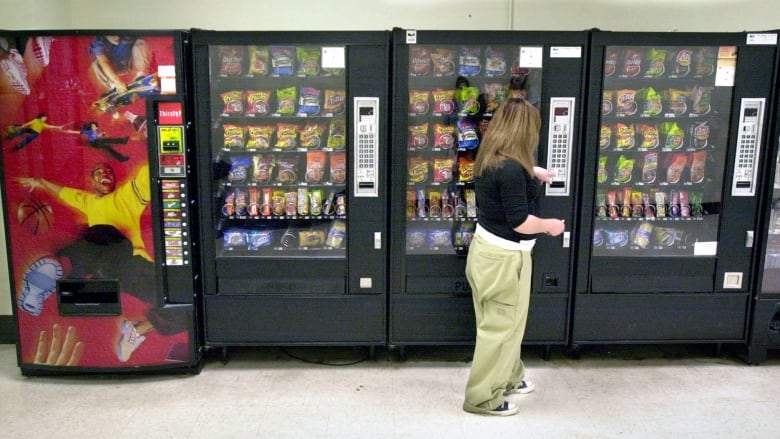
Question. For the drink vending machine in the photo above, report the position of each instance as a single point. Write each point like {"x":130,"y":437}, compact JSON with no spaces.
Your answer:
{"x":98,"y":201}
{"x":292,"y":135}
{"x":446,"y":86}
{"x":671,"y":187}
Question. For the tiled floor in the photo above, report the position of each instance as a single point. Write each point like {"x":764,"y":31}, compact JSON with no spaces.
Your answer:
{"x":609,"y":392}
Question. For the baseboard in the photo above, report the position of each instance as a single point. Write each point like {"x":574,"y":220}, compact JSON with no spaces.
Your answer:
{"x":7,"y":330}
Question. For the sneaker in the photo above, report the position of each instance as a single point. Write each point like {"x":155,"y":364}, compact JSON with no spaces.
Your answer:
{"x":15,"y":70}
{"x":129,"y":341}
{"x":523,"y":388}
{"x":41,"y":49}
{"x":505,"y":409}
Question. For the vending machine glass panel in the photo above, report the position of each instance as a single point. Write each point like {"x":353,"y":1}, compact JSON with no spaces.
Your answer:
{"x":662,"y":150}
{"x":279,"y":150}
{"x":453,"y":91}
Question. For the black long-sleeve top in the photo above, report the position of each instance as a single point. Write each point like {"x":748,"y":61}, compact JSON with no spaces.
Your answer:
{"x":506,"y":196}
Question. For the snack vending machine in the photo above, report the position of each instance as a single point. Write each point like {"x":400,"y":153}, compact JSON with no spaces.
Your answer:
{"x":765,"y":324}
{"x":669,"y":212}
{"x":292,"y":134}
{"x":97,"y":198}
{"x":446,"y":86}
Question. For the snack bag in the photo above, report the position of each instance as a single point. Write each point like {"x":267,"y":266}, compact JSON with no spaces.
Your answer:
{"x":288,"y":170}
{"x":418,"y":136}
{"x":231,"y":60}
{"x":632,"y":63}
{"x":285,"y":100}
{"x":258,"y":102}
{"x":605,"y":136}
{"x":233,"y":102}
{"x":418,"y":102}
{"x":443,"y":136}
{"x":262,"y":168}
{"x":308,"y":61}
{"x":467,"y":134}
{"x":466,"y":168}
{"x":259,"y":136}
{"x":676,"y":165}
{"x":418,"y":170}
{"x":698,"y":165}
{"x":673,"y":135}
{"x":338,"y":167}
{"x":443,"y":61}
{"x":239,"y":169}
{"x":312,"y":135}
{"x":335,"y":101}
{"x":336,"y":134}
{"x":309,"y":101}
{"x":648,"y":135}
{"x":443,"y":102}
{"x":233,"y":136}
{"x":654,"y":59}
{"x":626,"y":136}
{"x":602,"y":171}
{"x":259,"y":60}
{"x":286,"y":136}
{"x":282,"y":60}
{"x":442,"y":170}
{"x":495,"y":62}
{"x":651,"y":102}
{"x":315,"y":167}
{"x":419,"y":61}
{"x":469,"y":61}
{"x":649,"y":167}
{"x":337,"y":234}
{"x":623,"y":170}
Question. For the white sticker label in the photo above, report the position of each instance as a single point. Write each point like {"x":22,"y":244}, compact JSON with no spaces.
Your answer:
{"x":708,"y":248}
{"x":565,"y":52}
{"x":333,"y":58}
{"x":531,"y":57}
{"x":762,"y":39}
{"x":411,"y":37}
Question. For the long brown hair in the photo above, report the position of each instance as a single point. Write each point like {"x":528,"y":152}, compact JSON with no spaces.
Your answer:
{"x":512,"y":134}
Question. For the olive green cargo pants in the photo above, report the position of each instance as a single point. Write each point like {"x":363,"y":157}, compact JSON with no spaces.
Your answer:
{"x":501,"y":288}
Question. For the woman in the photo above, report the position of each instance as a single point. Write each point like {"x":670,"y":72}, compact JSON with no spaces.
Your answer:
{"x":498,"y":266}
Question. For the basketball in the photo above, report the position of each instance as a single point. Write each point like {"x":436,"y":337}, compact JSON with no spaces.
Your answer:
{"x":36,"y":216}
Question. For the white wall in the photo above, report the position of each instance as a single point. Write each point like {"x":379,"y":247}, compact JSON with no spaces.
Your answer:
{"x":455,"y":15}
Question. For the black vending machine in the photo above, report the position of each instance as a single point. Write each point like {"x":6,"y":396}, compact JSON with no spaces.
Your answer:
{"x":674,"y":149}
{"x":292,"y":137}
{"x":765,"y":324}
{"x":98,"y":195}
{"x":446,"y":86}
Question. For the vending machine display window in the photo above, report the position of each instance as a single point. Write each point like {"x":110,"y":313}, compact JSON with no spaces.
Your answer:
{"x":278,"y":121}
{"x":453,"y":91}
{"x":662,"y":150}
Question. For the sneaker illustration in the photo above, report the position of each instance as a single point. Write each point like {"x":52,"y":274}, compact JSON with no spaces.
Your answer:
{"x":40,"y":280}
{"x":41,"y":49}
{"x":15,"y":70}
{"x":129,"y":341}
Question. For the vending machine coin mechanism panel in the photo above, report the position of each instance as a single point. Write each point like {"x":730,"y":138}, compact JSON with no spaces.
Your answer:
{"x":367,"y":141}
{"x":751,"y":116}
{"x":560,"y":143}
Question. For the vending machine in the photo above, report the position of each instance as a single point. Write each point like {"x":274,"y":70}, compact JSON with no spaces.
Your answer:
{"x":292,"y":137}
{"x":674,"y":148}
{"x":765,"y":323}
{"x":97,"y":185}
{"x":446,"y":86}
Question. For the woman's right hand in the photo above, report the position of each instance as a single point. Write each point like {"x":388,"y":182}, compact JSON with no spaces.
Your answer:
{"x":555,"y":226}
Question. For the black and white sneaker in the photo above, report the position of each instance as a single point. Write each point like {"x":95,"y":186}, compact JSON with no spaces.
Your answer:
{"x":523,"y":388}
{"x":505,"y":409}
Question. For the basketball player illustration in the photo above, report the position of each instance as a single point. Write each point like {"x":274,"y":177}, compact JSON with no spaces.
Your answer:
{"x":113,"y":246}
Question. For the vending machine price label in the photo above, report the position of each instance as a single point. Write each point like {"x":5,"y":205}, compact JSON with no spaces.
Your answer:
{"x":566,"y":52}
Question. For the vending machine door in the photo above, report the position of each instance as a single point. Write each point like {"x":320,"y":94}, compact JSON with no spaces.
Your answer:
{"x":93,"y":287}
{"x":293,"y":147}
{"x":447,"y":86}
{"x":677,"y":142}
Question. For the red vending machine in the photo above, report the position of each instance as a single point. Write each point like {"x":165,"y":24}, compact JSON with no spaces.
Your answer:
{"x":446,"y":86}
{"x":675,"y":149}
{"x":96,"y":185}
{"x":292,"y":141}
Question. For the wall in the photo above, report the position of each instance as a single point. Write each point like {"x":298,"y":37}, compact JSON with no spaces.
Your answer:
{"x":457,"y":15}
